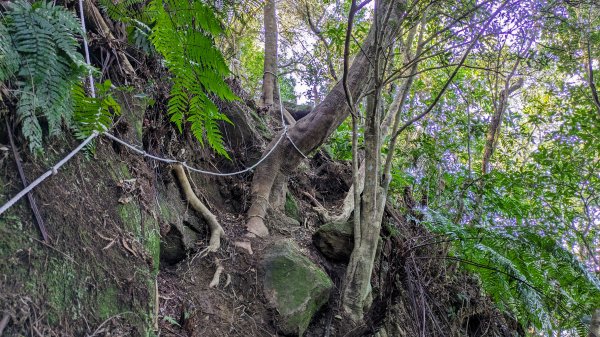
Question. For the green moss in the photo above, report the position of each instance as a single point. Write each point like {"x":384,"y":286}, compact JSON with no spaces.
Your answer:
{"x":60,"y":281}
{"x":346,"y":228}
{"x":295,"y":285}
{"x":291,"y":207}
{"x":107,"y":302}
{"x":131,"y":217}
{"x":152,"y":245}
{"x":119,"y":171}
{"x":261,"y":125}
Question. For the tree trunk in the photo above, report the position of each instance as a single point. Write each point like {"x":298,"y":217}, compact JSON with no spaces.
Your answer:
{"x":366,"y":234}
{"x":311,"y":131}
{"x":270,"y":67}
{"x":595,"y":324}
{"x":492,"y":137}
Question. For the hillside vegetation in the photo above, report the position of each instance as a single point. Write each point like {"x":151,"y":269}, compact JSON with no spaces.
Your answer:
{"x":307,"y":168}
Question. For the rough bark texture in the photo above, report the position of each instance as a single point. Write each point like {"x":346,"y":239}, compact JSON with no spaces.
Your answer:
{"x":270,"y":67}
{"x":309,"y":133}
{"x":595,"y":324}
{"x":358,"y":274}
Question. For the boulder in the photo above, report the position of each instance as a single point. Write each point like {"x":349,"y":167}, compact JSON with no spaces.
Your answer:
{"x":294,"y":286}
{"x":335,"y":240}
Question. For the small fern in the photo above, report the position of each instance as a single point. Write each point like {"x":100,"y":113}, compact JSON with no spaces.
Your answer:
{"x":183,"y":33}
{"x":527,"y":274}
{"x":94,"y":114}
{"x":132,"y":13}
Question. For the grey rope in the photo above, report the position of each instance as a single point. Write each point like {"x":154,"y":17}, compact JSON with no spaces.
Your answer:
{"x":53,"y":170}
{"x":285,"y":126}
{"x":173,"y":161}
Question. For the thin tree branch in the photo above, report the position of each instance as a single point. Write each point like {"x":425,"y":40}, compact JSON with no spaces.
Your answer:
{"x":462,"y":61}
{"x":591,"y":78}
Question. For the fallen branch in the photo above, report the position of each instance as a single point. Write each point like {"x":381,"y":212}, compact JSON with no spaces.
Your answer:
{"x":216,"y":231}
{"x":38,"y":218}
{"x":97,"y":23}
{"x":4,"y":323}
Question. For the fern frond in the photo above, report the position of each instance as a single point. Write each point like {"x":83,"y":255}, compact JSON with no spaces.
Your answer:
{"x":30,"y":126}
{"x":527,"y":274}
{"x":183,"y":33}
{"x":49,"y":65}
{"x":8,"y":55}
{"x":94,"y":114}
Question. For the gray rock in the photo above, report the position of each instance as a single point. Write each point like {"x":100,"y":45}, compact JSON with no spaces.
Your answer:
{"x":335,"y":240}
{"x":294,"y":286}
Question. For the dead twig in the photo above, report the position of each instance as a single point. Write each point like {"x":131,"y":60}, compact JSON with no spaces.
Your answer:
{"x":38,"y":218}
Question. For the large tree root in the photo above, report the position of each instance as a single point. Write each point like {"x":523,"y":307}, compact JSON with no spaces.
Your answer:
{"x":217,"y":276}
{"x":348,"y":204}
{"x":216,"y":231}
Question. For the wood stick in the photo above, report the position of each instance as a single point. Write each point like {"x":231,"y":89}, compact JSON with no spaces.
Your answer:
{"x":36,"y":212}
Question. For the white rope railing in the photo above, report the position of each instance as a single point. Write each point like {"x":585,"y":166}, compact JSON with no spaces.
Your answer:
{"x":53,"y":170}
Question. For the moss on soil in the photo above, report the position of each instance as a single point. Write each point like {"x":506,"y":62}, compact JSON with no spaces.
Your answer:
{"x":296,"y":286}
{"x":291,"y":207}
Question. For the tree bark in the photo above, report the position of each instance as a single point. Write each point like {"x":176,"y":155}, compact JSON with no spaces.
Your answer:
{"x":393,"y":115}
{"x":595,"y":324}
{"x":96,"y":22}
{"x":358,"y":274}
{"x":270,"y":65}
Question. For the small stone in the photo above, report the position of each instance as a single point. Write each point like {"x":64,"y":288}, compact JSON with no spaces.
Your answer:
{"x":338,"y":317}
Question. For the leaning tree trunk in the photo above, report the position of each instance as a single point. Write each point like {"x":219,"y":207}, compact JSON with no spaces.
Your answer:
{"x":270,"y":66}
{"x":311,"y":131}
{"x":492,"y":137}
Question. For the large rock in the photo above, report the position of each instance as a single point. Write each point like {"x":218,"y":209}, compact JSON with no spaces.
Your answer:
{"x":335,"y":240}
{"x":294,"y":286}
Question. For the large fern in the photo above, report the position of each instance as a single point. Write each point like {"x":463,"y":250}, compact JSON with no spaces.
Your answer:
{"x":40,"y":62}
{"x":183,"y":33}
{"x":9,"y":58}
{"x":527,"y":274}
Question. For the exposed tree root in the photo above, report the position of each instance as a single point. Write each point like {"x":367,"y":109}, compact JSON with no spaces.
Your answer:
{"x":217,"y":276}
{"x":4,"y":322}
{"x":216,"y":231}
{"x":347,"y":206}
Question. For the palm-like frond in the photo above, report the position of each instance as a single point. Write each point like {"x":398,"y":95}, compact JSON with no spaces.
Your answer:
{"x":183,"y":34}
{"x":527,"y":274}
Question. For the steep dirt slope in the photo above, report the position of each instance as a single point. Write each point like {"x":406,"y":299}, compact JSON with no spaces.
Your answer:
{"x":125,"y":252}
